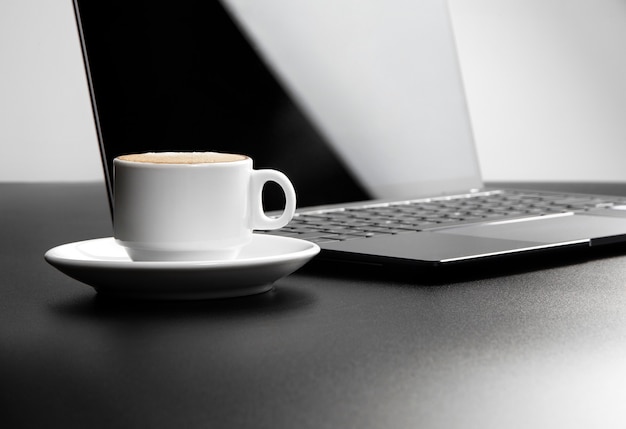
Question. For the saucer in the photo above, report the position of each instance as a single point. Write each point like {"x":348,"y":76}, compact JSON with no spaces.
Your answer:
{"x":104,"y":265}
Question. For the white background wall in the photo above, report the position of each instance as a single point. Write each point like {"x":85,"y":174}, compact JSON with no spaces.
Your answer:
{"x":546,"y":83}
{"x":46,"y":127}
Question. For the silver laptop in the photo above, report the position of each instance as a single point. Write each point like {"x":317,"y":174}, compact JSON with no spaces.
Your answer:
{"x":361,"y":103}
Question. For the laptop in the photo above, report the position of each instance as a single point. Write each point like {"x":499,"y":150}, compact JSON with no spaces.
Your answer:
{"x":360,"y":103}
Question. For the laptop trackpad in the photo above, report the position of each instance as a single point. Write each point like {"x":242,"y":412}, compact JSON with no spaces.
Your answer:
{"x":556,"y":229}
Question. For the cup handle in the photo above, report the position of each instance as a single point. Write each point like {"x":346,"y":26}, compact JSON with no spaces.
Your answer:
{"x":258,"y":180}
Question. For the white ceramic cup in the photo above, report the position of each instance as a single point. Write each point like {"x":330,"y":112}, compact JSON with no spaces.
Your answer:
{"x":192,"y":206}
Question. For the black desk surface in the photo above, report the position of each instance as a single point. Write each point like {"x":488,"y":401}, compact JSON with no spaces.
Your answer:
{"x":538,"y":348}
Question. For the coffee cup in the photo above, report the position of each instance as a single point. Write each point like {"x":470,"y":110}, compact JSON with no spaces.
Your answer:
{"x":192,"y":206}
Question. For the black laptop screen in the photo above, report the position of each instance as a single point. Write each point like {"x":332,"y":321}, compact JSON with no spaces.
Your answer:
{"x":180,"y":76}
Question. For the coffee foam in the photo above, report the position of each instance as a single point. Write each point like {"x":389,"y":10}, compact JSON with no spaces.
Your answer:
{"x":182,"y":157}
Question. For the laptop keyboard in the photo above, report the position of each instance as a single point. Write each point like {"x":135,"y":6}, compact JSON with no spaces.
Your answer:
{"x":426,"y":214}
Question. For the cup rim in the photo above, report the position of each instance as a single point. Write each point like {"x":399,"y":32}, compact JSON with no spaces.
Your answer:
{"x":217,"y":164}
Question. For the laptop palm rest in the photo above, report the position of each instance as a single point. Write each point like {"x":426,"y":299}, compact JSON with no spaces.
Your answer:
{"x":557,"y":229}
{"x":482,"y":240}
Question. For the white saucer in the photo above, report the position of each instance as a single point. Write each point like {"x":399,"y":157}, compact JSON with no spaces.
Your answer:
{"x":104,"y":265}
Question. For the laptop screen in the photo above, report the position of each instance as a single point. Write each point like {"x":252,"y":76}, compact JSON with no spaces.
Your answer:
{"x":351,"y":100}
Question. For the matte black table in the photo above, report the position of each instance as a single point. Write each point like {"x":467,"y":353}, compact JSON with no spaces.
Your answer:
{"x":541,"y":346}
